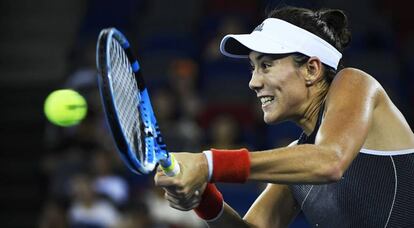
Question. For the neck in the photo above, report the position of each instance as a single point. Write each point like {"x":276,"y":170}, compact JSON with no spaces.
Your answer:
{"x":307,"y":120}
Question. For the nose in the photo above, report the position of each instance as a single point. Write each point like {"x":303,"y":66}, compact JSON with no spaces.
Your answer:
{"x":255,"y":82}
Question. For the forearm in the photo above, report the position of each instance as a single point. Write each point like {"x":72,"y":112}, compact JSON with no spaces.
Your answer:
{"x":215,"y":211}
{"x":298,"y":164}
{"x":229,"y":218}
{"x":275,"y":207}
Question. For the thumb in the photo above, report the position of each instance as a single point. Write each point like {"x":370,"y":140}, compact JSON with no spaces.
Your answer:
{"x":162,"y":180}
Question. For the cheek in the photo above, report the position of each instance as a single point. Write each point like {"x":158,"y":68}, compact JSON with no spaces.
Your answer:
{"x":292,"y":92}
{"x":297,"y":89}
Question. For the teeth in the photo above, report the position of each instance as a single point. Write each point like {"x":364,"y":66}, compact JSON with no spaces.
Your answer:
{"x":266,"y":100}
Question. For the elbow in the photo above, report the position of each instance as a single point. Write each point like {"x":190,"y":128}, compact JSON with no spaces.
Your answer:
{"x":334,"y":173}
{"x":334,"y":168}
{"x":329,"y":174}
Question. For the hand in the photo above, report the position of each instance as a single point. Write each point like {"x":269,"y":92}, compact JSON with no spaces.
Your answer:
{"x":184,"y":190}
{"x":184,"y":203}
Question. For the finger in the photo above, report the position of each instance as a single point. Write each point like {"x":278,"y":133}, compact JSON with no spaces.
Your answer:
{"x":177,"y":199}
{"x":171,"y":198}
{"x":183,"y":193}
{"x":175,"y":187}
{"x":184,"y":206}
{"x":184,"y":203}
{"x":172,"y":191}
{"x":176,"y":193}
{"x":178,"y":207}
{"x":159,"y":169}
{"x":162,"y":180}
{"x":193,"y":205}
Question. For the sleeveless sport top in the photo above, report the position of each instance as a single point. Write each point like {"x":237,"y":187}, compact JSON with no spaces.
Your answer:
{"x":377,"y":190}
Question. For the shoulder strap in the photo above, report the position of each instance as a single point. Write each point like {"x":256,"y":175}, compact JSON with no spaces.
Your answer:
{"x":310,"y":139}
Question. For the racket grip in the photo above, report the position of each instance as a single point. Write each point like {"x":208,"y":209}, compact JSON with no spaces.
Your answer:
{"x":170,"y":166}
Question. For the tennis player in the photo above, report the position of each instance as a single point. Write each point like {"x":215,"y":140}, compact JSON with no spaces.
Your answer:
{"x":353,"y":165}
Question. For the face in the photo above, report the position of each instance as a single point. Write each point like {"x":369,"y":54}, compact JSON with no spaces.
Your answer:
{"x":279,"y":85}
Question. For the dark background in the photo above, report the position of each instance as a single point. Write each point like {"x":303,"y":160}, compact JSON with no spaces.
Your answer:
{"x":201,"y":98}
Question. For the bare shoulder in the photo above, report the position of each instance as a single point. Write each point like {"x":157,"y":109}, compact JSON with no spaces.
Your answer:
{"x":352,"y":83}
{"x":356,"y":97}
{"x":355,"y":77}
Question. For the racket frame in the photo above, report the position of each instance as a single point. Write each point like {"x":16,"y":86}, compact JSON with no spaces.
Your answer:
{"x":155,"y":148}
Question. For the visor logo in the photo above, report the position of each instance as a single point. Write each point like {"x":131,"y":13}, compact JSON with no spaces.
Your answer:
{"x":259,"y":28}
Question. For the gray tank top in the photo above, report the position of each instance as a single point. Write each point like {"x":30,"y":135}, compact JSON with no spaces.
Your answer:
{"x":377,"y":190}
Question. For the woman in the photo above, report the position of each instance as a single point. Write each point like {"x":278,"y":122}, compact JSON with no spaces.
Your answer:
{"x":353,"y":164}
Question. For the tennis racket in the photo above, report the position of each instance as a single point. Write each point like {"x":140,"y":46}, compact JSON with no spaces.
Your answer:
{"x":128,"y":107}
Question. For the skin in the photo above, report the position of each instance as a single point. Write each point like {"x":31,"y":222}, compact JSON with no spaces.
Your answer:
{"x":357,"y":110}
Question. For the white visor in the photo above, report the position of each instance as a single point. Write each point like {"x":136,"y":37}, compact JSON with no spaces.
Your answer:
{"x":275,"y":36}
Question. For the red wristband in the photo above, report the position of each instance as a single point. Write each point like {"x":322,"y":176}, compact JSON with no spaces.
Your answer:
{"x":232,"y":166}
{"x":211,"y":204}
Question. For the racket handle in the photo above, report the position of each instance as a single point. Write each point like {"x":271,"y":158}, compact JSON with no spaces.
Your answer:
{"x":170,"y":166}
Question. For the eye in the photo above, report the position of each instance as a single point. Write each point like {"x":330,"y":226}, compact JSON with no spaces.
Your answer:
{"x":265,"y":65}
{"x":251,"y":66}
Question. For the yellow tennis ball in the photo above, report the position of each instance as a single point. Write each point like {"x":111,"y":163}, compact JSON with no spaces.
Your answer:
{"x":65,"y":107}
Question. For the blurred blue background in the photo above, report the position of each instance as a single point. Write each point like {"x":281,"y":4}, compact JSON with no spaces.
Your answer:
{"x":72,"y":177}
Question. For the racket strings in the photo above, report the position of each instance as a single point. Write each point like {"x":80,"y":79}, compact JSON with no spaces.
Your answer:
{"x":126,"y":96}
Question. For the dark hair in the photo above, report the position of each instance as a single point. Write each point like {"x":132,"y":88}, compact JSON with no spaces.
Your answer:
{"x":329,"y":24}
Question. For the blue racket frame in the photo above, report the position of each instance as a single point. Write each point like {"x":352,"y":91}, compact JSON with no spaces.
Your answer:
{"x":155,"y":148}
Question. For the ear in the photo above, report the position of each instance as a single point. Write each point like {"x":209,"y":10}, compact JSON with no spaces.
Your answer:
{"x":314,"y":71}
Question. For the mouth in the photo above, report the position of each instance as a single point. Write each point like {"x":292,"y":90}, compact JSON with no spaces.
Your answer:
{"x":266,"y":100}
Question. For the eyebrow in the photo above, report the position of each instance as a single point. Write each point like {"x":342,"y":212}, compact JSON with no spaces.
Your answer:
{"x":260,"y":56}
{"x":271,"y":56}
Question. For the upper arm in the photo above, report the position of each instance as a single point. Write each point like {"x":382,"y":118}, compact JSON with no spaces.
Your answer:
{"x":348,"y":116}
{"x":275,"y":207}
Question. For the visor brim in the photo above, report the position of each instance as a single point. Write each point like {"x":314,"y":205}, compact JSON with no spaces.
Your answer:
{"x":239,"y":46}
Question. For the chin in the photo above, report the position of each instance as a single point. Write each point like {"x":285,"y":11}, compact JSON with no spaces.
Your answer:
{"x":269,"y":119}
{"x":273,"y":118}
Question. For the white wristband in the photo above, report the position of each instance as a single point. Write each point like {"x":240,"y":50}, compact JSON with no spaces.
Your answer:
{"x":209,"y":156}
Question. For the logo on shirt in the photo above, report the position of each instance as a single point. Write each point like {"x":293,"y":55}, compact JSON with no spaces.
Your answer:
{"x":259,"y":28}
